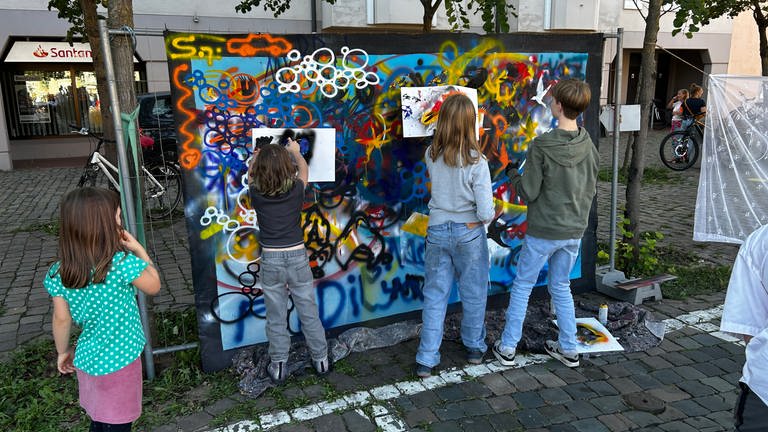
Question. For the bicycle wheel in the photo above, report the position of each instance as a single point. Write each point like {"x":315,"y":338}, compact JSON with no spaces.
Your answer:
{"x":679,"y":150}
{"x":162,"y":190}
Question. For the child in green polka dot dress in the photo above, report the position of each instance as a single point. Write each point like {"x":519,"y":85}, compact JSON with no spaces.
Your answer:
{"x":93,"y":285}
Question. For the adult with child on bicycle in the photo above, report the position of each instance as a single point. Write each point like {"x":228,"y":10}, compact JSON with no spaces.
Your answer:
{"x":694,"y":108}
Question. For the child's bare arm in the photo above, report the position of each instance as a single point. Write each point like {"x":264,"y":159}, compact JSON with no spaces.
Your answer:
{"x":149,"y":279}
{"x":62,"y":324}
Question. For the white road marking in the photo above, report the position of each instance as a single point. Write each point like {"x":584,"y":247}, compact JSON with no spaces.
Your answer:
{"x":388,"y":421}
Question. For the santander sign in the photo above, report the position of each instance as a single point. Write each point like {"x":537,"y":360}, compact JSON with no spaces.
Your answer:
{"x":49,"y":52}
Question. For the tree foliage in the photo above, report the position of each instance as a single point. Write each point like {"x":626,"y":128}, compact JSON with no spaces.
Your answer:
{"x":493,"y":12}
{"x":694,"y":14}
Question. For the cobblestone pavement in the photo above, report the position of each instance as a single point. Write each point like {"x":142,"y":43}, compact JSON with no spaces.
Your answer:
{"x":692,"y":373}
{"x":687,"y":383}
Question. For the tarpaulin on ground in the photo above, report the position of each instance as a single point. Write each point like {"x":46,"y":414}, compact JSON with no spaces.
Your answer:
{"x":733,"y":186}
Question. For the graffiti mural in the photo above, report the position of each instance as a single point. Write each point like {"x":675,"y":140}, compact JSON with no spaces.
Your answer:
{"x":364,"y":231}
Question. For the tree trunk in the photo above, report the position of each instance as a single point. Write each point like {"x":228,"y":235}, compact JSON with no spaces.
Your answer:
{"x":762,"y":26}
{"x":646,"y":87}
{"x":90,"y":22}
{"x":429,"y":13}
{"x":121,"y":14}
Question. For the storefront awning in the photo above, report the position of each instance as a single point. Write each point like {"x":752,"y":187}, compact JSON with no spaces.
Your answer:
{"x":50,"y":52}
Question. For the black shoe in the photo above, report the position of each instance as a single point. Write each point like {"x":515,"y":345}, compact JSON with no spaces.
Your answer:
{"x":423,"y":371}
{"x":475,"y":356}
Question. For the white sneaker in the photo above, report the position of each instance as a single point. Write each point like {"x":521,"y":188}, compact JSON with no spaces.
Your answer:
{"x":505,"y":356}
{"x":553,"y":349}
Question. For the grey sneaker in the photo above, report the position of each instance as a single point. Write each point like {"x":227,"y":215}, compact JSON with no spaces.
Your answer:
{"x":277,"y":371}
{"x":322,"y":366}
{"x":505,"y":356}
{"x":553,"y":349}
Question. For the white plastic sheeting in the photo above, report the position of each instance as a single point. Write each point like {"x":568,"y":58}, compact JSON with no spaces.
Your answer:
{"x":732,"y":200}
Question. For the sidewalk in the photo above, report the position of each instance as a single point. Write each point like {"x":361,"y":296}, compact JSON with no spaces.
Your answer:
{"x":685,"y":384}
{"x":693,"y":373}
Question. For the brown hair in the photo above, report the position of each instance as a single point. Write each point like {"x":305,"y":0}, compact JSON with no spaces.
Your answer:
{"x":272,"y":171}
{"x":455,"y":134}
{"x":696,"y":90}
{"x":573,"y":95}
{"x":89,"y":236}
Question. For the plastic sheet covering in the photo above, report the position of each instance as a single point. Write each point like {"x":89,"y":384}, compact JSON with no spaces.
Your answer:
{"x":732,"y":200}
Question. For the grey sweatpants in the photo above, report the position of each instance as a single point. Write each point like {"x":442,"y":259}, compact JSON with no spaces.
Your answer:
{"x":284,"y":273}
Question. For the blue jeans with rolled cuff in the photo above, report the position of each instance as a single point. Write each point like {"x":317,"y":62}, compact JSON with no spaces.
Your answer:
{"x":455,"y":253}
{"x":562,"y":255}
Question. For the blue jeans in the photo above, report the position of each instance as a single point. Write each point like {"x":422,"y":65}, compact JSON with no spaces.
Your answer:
{"x":562,"y":255}
{"x":454,"y":253}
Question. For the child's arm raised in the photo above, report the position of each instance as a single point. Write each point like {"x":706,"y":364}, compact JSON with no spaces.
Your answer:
{"x":294,"y":148}
{"x":149,"y":279}
{"x":62,"y":324}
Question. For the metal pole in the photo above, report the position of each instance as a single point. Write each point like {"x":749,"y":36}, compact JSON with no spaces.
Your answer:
{"x":129,"y":212}
{"x":615,"y":163}
{"x":313,"y":14}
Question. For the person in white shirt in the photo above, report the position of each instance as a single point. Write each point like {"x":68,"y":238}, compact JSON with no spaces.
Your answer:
{"x":746,"y":314}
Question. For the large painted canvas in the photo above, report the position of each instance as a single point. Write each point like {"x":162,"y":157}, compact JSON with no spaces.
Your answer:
{"x":363,"y":230}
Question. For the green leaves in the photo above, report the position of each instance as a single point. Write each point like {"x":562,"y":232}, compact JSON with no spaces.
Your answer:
{"x":278,"y":7}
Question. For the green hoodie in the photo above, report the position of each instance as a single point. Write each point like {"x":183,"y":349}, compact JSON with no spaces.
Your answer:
{"x":558,"y":184}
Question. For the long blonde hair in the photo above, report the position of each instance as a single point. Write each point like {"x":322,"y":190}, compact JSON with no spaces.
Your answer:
{"x":455,"y":134}
{"x":272,"y":171}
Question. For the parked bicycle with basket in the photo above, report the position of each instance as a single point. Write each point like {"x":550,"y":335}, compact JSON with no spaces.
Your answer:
{"x":162,"y":178}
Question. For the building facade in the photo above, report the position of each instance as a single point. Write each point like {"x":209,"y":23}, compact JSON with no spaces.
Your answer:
{"x":46,"y":84}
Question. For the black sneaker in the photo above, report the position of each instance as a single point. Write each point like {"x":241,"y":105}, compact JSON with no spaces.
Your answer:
{"x":423,"y":371}
{"x":505,"y":356}
{"x":277,"y":371}
{"x":475,"y":356}
{"x":553,"y":349}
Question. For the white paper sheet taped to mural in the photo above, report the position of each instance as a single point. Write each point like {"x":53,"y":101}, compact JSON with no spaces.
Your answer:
{"x":732,"y":200}
{"x":318,"y":146}
{"x":421,"y":105}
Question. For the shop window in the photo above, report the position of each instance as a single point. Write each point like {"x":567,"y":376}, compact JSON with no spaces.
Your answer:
{"x":44,"y":103}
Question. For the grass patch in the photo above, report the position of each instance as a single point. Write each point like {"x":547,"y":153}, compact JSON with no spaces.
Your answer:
{"x":694,"y":277}
{"x":49,"y":227}
{"x":651,"y":175}
{"x":35,"y":397}
{"x":696,"y":280}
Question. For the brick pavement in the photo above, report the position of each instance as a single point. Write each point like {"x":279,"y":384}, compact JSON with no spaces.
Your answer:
{"x":687,"y":383}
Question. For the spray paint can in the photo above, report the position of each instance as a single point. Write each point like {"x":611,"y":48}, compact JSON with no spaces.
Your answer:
{"x":602,"y":314}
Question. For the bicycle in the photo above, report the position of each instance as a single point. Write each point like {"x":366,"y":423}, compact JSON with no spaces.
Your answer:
{"x":162,"y":179}
{"x":679,"y":150}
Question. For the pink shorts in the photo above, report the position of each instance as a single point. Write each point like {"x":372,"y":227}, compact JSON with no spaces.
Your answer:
{"x":113,"y":398}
